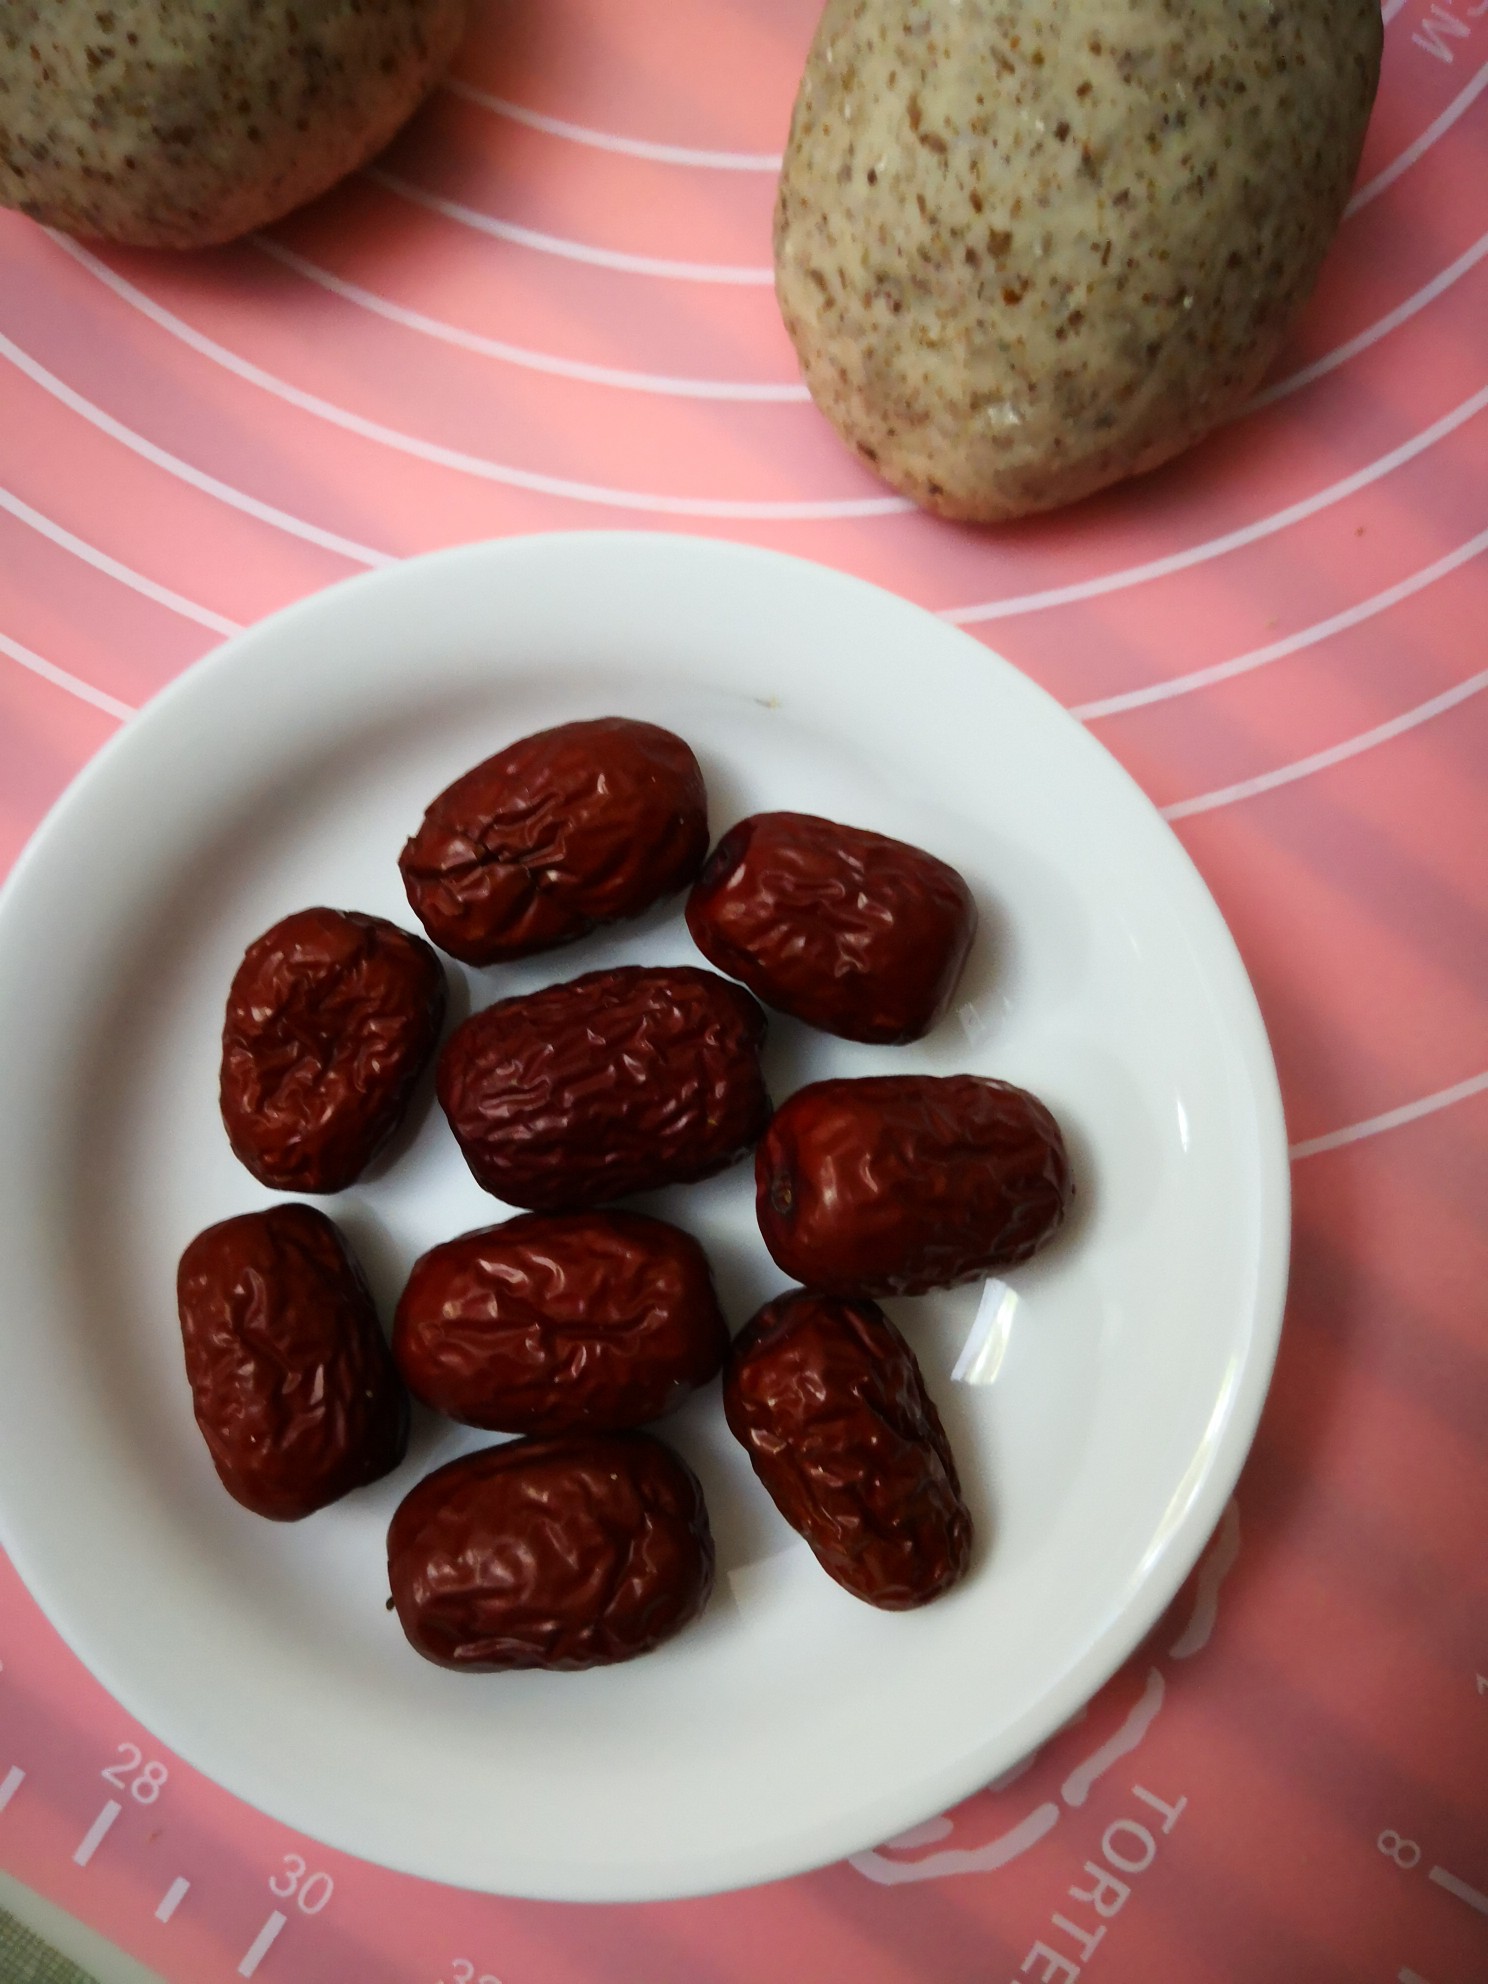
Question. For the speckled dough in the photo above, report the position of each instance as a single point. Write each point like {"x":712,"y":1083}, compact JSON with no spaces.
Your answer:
{"x":178,"y":123}
{"x":1027,"y":247}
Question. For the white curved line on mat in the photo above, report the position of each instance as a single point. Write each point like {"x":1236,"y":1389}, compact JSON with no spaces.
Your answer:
{"x":722,"y":389}
{"x":60,"y":679}
{"x":1216,"y":547}
{"x":224,"y":492}
{"x":1336,"y":754}
{"x":924,"y":1834}
{"x":1216,"y":1567}
{"x":1390,"y":9}
{"x":1437,"y":128}
{"x":1391,"y":321}
{"x":1241,"y":664}
{"x":557,"y":244}
{"x":960,"y":1860}
{"x":512,"y":354}
{"x":609,"y":141}
{"x":476,"y":465}
{"x":1076,"y":1787}
{"x":101,"y":561}
{"x":1393,"y":1119}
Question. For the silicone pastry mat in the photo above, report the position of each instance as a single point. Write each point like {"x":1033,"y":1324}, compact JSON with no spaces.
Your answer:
{"x":550,"y":307}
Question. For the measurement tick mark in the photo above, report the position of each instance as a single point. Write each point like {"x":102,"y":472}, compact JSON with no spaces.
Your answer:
{"x":1460,"y":1888}
{"x":10,"y":1784}
{"x":262,"y":1943}
{"x":93,"y":1838}
{"x":174,"y":1895}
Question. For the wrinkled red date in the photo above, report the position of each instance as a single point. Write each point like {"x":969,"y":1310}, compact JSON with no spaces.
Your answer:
{"x":894,"y":1184}
{"x":331,"y":1019}
{"x":294,"y":1389}
{"x":850,"y":931}
{"x":827,"y":1399}
{"x":573,"y":1551}
{"x":561,"y":1321}
{"x":576,"y":826}
{"x":616,"y":1082}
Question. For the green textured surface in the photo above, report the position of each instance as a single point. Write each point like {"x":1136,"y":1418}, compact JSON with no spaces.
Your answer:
{"x":26,"y":1959}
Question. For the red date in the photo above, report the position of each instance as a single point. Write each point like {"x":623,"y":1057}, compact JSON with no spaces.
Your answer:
{"x":827,"y":1399}
{"x":895,"y":1184}
{"x":573,"y":1551}
{"x":613,"y":1083}
{"x":294,"y":1389}
{"x":852,"y":932}
{"x":331,"y":1019}
{"x":557,"y":1322}
{"x":573,"y":827}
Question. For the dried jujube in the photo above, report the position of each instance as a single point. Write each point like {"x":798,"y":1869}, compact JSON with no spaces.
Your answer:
{"x":613,"y":1083}
{"x":828,"y":1401}
{"x":895,"y":1184}
{"x":331,"y":1018}
{"x":852,"y":932}
{"x":293,"y":1385}
{"x":560,"y":1321}
{"x":581,"y":825}
{"x":572,"y":1551}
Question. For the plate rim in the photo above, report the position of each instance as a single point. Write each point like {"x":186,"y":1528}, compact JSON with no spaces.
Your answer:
{"x":951,"y":1782}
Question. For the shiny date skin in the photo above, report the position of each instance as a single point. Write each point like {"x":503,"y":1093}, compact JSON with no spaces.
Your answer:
{"x":331,"y":1019}
{"x":852,"y":932}
{"x":573,"y":1551}
{"x":293,"y":1385}
{"x":557,"y":1322}
{"x":613,"y":1083}
{"x":585,"y":824}
{"x":894,"y":1184}
{"x":828,"y":1401}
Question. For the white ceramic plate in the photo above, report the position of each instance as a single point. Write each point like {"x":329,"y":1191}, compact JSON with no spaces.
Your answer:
{"x":793,"y":1724}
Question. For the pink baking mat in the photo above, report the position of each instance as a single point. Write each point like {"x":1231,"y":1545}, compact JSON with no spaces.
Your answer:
{"x":549,"y":307}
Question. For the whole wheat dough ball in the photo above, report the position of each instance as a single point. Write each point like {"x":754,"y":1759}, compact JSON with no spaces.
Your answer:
{"x":1027,"y":247}
{"x":178,"y":123}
